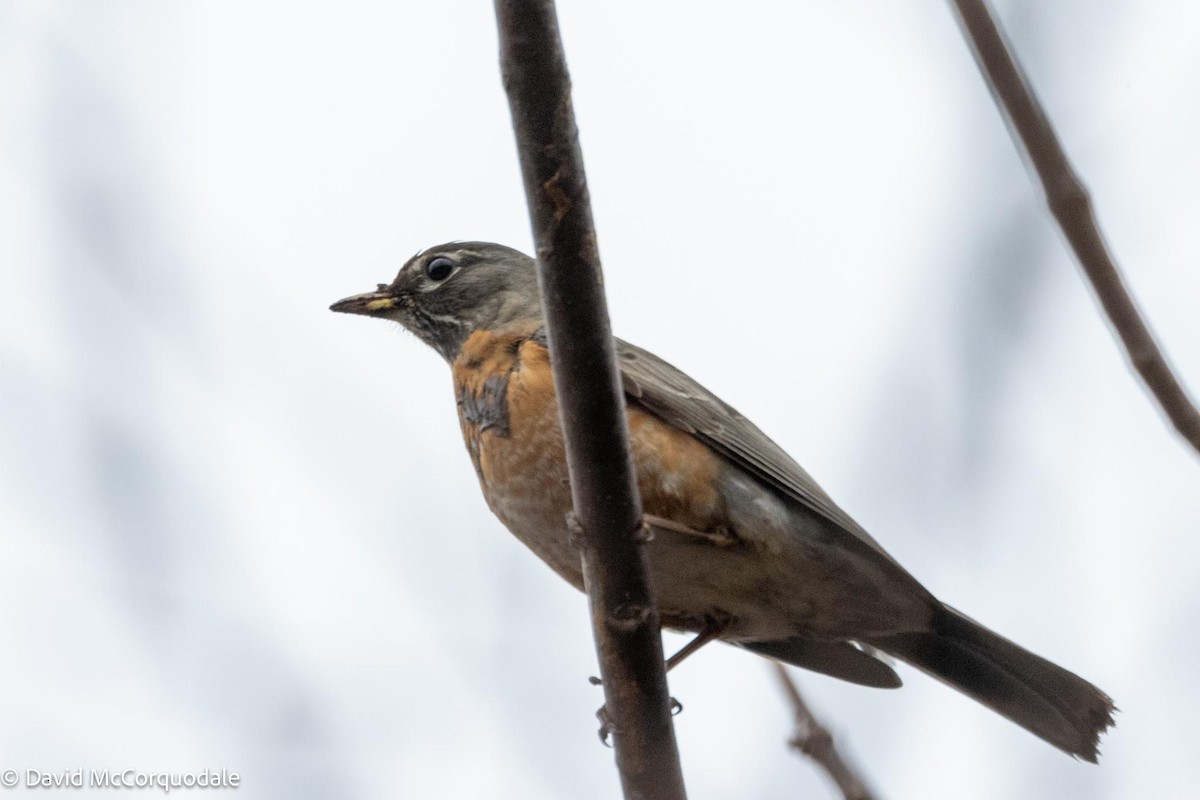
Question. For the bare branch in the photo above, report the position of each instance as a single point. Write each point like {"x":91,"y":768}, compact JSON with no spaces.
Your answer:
{"x":815,"y":741}
{"x":591,"y":404}
{"x":1072,"y":208}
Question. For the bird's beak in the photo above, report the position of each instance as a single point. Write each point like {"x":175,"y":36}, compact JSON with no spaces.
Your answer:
{"x":370,"y":304}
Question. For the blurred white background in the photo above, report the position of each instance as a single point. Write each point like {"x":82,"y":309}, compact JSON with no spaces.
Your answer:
{"x":240,"y":531}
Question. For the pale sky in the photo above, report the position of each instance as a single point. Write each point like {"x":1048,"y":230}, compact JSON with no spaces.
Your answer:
{"x":241,"y":532}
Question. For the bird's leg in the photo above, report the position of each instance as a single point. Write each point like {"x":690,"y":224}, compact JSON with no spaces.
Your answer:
{"x":721,"y":537}
{"x":712,"y":630}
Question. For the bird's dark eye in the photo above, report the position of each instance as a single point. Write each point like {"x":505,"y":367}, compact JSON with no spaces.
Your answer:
{"x":438,"y":269}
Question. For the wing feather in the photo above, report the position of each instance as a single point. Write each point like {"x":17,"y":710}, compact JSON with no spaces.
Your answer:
{"x":680,"y":401}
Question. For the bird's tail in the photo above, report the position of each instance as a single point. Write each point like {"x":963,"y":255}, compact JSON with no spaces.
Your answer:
{"x":1045,"y":699}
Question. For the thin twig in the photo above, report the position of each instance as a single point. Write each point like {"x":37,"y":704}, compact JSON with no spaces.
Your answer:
{"x":591,"y":404}
{"x":815,"y":741}
{"x":1072,"y":207}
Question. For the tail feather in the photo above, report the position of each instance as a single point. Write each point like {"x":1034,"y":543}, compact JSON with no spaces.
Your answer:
{"x":1045,"y":699}
{"x":837,"y":659}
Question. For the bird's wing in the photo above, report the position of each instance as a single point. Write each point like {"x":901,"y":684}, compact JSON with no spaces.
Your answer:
{"x":675,"y":398}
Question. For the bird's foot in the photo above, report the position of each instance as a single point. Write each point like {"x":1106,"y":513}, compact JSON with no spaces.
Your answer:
{"x":606,"y":724}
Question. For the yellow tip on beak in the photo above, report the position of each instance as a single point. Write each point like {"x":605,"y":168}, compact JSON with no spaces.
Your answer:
{"x":369,"y":303}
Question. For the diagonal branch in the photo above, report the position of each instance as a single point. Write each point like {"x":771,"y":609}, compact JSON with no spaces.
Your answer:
{"x":1072,"y":208}
{"x":607,"y":514}
{"x":815,"y":741}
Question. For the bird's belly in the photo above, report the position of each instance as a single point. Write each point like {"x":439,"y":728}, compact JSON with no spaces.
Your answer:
{"x":695,"y":581}
{"x":526,"y":485}
{"x":733,"y":552}
{"x":781,"y":577}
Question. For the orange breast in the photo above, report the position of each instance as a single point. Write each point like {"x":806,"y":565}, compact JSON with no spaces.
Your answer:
{"x":509,"y":417}
{"x":507,"y":411}
{"x":677,"y":475}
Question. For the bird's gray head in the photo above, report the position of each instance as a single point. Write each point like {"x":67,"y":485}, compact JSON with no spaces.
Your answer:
{"x":447,"y":292}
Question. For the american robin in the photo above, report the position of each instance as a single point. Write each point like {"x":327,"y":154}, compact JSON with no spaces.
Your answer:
{"x":746,"y":546}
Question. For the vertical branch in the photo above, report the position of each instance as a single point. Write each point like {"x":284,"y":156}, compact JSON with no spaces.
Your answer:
{"x":607,"y":515}
{"x":1072,"y":208}
{"x":815,"y":741}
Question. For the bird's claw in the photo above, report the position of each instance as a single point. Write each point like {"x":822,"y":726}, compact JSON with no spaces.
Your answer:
{"x":606,"y":725}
